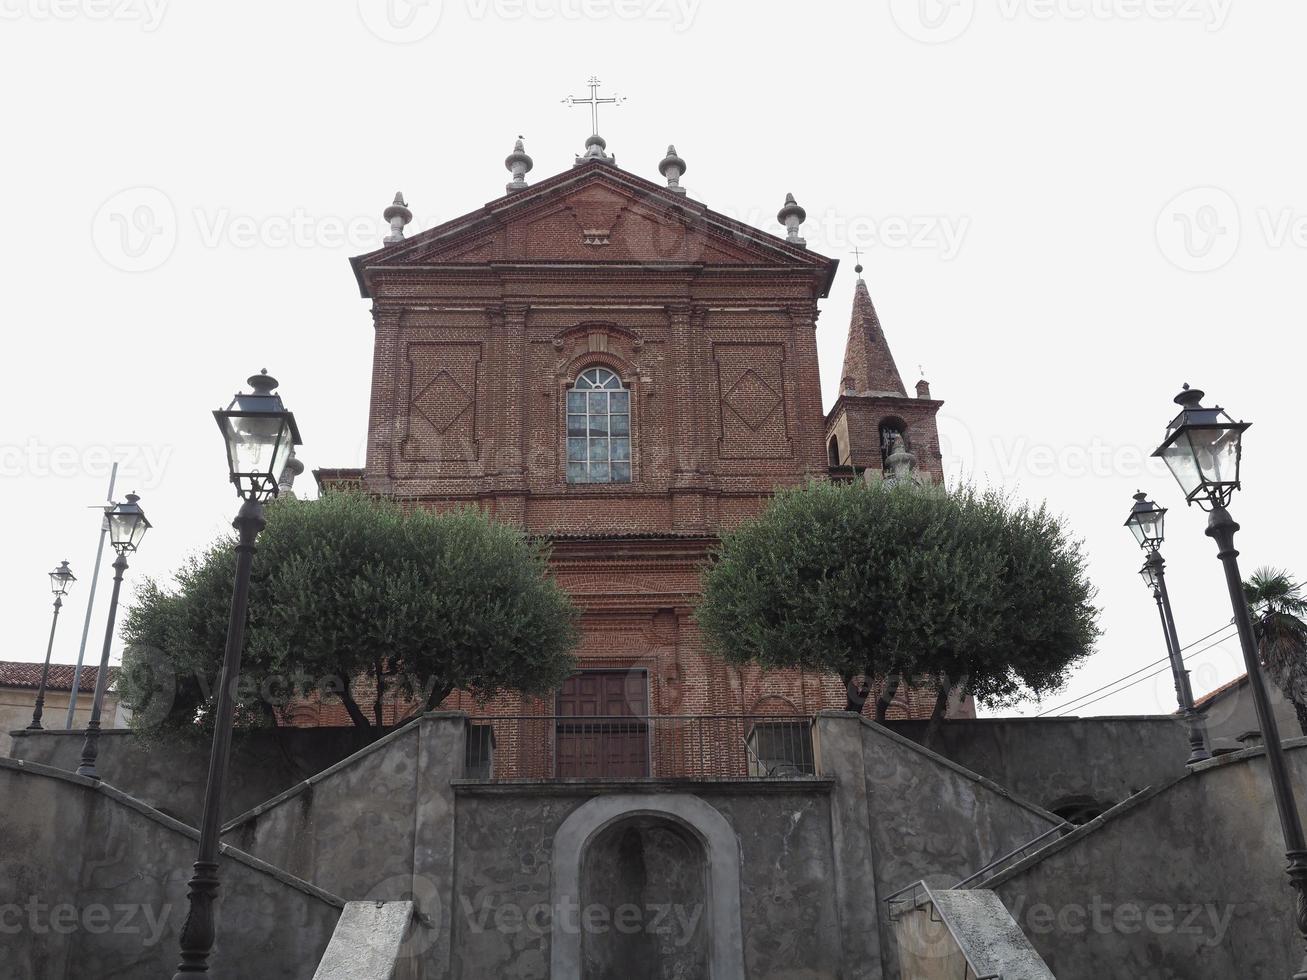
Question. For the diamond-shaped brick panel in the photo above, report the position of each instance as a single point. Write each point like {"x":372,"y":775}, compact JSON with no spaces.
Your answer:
{"x":443,"y":401}
{"x":752,"y":399}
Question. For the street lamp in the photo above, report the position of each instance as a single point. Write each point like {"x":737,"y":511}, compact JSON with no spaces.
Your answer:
{"x":127,"y":526}
{"x":260,"y":435}
{"x":60,"y":580}
{"x":1202,"y":448}
{"x":1147,"y":522}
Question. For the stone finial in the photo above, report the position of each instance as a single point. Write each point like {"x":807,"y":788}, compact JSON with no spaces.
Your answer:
{"x":672,"y":167}
{"x":519,"y":165}
{"x":923,"y":388}
{"x":791,"y":216}
{"x":899,"y":461}
{"x":398,"y":215}
{"x":595,"y":149}
{"x":292,"y":469}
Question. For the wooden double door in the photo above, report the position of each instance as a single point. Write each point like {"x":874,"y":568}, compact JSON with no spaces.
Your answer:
{"x":603,"y":724}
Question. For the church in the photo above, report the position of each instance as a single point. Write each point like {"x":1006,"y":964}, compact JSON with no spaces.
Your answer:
{"x":605,"y":362}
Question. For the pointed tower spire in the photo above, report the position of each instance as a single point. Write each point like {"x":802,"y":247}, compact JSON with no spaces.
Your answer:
{"x":869,"y":367}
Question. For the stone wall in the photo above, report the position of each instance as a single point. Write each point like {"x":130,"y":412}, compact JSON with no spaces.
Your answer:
{"x":815,"y":858}
{"x":1185,"y":881}
{"x":1231,"y":714}
{"x":1051,"y":760}
{"x":922,"y":816}
{"x":170,"y":776}
{"x":787,"y":889}
{"x":93,"y":883}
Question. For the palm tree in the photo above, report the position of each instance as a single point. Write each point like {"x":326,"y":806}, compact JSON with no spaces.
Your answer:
{"x":1281,"y":633}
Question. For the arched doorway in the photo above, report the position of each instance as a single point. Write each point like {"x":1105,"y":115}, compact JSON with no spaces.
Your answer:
{"x":692,"y":817}
{"x":644,"y":901}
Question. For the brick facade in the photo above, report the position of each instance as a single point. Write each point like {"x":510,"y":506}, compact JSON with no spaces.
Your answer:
{"x":482,"y":326}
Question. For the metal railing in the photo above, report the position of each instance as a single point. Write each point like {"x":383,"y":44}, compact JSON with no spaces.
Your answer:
{"x":915,"y":890}
{"x":692,"y":747}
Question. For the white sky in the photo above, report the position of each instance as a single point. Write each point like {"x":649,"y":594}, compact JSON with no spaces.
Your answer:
{"x":1103,"y":197}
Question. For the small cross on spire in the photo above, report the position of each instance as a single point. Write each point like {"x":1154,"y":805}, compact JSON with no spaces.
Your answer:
{"x":594,"y":102}
{"x":857,"y":257}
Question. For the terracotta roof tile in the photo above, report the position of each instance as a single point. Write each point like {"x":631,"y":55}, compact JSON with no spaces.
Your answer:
{"x":21,"y":673}
{"x":1211,"y":696}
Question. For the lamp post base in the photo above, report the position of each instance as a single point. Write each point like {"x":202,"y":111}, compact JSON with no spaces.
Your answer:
{"x":1297,"y":871}
{"x":1221,"y":528}
{"x":199,"y":931}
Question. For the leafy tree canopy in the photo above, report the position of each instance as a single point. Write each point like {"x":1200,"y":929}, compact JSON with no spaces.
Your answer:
{"x":960,"y":588}
{"x":347,"y":587}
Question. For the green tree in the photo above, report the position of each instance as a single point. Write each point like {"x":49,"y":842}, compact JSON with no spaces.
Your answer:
{"x":1281,"y":633}
{"x":347,"y":587}
{"x":956,"y":589}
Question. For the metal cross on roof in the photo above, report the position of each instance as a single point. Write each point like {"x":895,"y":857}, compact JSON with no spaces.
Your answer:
{"x":594,"y":102}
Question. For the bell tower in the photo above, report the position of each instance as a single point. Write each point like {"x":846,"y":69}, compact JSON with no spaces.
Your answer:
{"x":875,"y":429}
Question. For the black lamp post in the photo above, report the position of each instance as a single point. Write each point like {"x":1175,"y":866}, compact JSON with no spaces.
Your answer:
{"x":1202,"y":449}
{"x":1146,"y":522}
{"x":60,"y":579}
{"x":260,"y":435}
{"x":127,"y":526}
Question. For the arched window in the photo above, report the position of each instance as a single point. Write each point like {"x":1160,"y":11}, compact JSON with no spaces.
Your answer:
{"x":598,"y":429}
{"x":1078,"y":809}
{"x":892,"y":429}
{"x":833,"y":450}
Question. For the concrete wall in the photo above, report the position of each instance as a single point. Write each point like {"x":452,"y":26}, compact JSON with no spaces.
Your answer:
{"x":378,"y":824}
{"x":927,"y":818}
{"x":1231,"y":714}
{"x":348,"y":828}
{"x":787,"y":889}
{"x":170,"y":776}
{"x":1187,"y":881}
{"x":395,"y":822}
{"x":93,"y":883}
{"x":1047,"y":760}
{"x":18,"y":703}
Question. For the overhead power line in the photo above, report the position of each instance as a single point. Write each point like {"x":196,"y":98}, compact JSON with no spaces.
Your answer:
{"x":1126,"y":687}
{"x":1062,"y":708}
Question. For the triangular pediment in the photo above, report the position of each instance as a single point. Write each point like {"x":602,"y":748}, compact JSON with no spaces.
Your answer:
{"x":595,"y":213}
